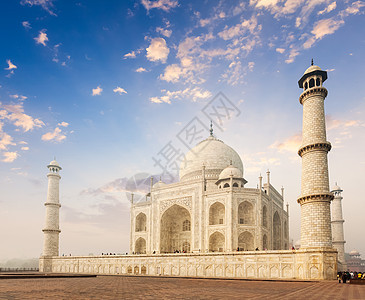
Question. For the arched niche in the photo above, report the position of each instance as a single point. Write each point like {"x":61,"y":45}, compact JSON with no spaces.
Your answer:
{"x":245,"y":213}
{"x":140,"y":247}
{"x":216,"y":242}
{"x":246,"y":241}
{"x":276,"y":231}
{"x":141,"y":222}
{"x":216,"y":214}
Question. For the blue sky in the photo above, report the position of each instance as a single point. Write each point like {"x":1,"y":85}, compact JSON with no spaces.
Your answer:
{"x":105,"y":86}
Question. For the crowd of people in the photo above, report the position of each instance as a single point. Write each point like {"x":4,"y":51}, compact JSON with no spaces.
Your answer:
{"x":347,"y":276}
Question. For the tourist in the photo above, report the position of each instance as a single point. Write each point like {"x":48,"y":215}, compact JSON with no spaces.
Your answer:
{"x":344,"y":277}
{"x":339,"y":276}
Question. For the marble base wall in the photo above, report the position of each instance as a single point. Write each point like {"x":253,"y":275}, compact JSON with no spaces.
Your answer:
{"x":283,"y":264}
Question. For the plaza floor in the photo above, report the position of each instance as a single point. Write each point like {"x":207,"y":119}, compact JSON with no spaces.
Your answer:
{"x":122,"y":287}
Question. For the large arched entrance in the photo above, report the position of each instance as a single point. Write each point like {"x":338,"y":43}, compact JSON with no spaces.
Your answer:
{"x":175,"y":231}
{"x":216,"y":242}
{"x":276,"y":231}
{"x":245,"y":241}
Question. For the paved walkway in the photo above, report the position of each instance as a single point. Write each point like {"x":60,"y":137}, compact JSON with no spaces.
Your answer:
{"x":119,"y":287}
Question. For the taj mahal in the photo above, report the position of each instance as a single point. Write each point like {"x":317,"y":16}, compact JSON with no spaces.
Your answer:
{"x":211,"y":224}
{"x":210,"y":209}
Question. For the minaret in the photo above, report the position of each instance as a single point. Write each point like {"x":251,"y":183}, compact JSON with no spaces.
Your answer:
{"x":315,"y":197}
{"x":51,"y":229}
{"x":338,"y":239}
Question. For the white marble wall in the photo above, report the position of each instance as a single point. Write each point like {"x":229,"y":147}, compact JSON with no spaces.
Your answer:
{"x":284,"y":264}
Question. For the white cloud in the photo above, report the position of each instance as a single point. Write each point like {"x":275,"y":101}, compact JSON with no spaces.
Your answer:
{"x":291,"y":144}
{"x":19,"y":97}
{"x":55,"y":135}
{"x":165,"y":5}
{"x":15,"y":114}
{"x":10,"y":65}
{"x":157,"y":50}
{"x":63,"y":124}
{"x":165,"y":32}
{"x":120,"y":90}
{"x":130,"y":55}
{"x":353,"y":9}
{"x":26,"y":25}
{"x":41,"y":38}
{"x":194,"y":94}
{"x":25,"y":148}
{"x":239,"y":29}
{"x":5,"y":141}
{"x":9,"y":156}
{"x":45,"y":4}
{"x":328,"y":9}
{"x":280,"y":50}
{"x":97,"y":91}
{"x":140,"y":70}
{"x":325,"y":27}
{"x":172,"y":73}
{"x":292,"y":54}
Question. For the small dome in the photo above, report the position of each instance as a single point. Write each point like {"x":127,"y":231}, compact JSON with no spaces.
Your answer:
{"x":336,"y":188}
{"x":312,"y":69}
{"x":158,"y":184}
{"x":54,"y":163}
{"x":230,"y":171}
{"x":355,"y":253}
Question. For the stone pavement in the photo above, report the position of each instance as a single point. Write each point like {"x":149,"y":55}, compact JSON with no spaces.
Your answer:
{"x":123,"y":287}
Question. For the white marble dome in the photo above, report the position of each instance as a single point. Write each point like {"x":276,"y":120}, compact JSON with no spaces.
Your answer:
{"x":54,"y":163}
{"x":230,"y":171}
{"x":311,"y":69}
{"x":214,"y":155}
{"x":158,"y":184}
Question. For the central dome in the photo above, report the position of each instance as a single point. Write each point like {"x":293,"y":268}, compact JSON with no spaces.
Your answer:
{"x":214,"y":155}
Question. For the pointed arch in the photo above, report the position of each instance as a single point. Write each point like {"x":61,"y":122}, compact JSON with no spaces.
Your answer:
{"x":245,"y":213}
{"x":264,"y":216}
{"x":141,"y":222}
{"x":216,"y":242}
{"x":246,"y":241}
{"x":216,"y":214}
{"x":276,"y":231}
{"x":140,"y":247}
{"x":172,"y":233}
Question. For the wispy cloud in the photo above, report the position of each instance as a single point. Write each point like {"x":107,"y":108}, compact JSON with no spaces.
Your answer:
{"x":140,"y":70}
{"x":130,"y":55}
{"x":193,"y":94}
{"x":56,"y":135}
{"x":47,"y":5}
{"x":120,"y":90}
{"x":9,"y":156}
{"x":63,"y":124}
{"x":26,"y":25}
{"x":97,"y":91}
{"x":19,"y":97}
{"x":15,"y":114}
{"x":291,"y":144}
{"x":11,"y":66}
{"x":157,"y":50}
{"x":164,"y":31}
{"x":42,"y":38}
{"x":165,"y":5}
{"x":328,"y":9}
